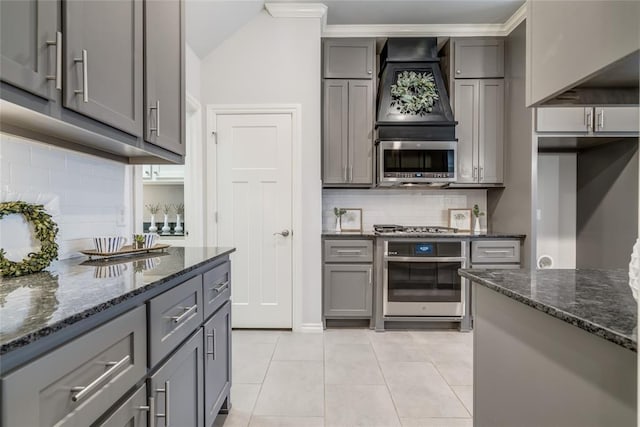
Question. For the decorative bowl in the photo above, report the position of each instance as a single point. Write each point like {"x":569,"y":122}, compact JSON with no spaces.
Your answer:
{"x":110,"y":244}
{"x":149,"y":239}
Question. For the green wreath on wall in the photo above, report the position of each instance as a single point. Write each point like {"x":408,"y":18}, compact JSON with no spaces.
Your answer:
{"x":46,"y":231}
{"x":414,"y":93}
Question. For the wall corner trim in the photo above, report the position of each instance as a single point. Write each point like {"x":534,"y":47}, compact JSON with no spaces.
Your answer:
{"x":296,"y":10}
{"x":515,"y":19}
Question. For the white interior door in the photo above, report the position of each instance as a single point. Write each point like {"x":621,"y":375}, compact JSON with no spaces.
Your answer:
{"x":254,"y":215}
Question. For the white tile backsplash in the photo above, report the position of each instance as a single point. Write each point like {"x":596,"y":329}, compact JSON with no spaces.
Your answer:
{"x":400,"y":206}
{"x":85,"y":194}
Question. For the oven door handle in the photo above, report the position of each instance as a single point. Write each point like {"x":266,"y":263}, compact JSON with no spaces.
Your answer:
{"x":424,"y":259}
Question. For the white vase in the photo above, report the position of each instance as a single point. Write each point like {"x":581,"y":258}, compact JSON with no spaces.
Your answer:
{"x":152,"y":227}
{"x":338,"y":229}
{"x":178,"y":228}
{"x":634,"y":270}
{"x":476,"y":226}
{"x":165,"y":228}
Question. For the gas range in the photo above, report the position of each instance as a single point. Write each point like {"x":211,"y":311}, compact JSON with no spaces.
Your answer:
{"x":409,"y":230}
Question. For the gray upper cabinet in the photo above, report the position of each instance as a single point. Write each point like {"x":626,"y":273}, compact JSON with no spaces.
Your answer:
{"x":347,"y":132}
{"x":348,"y":58}
{"x":103,"y":61}
{"x":477,"y":58}
{"x":177,"y":387}
{"x":479,"y":110}
{"x":30,"y":43}
{"x":584,"y":120}
{"x":164,"y":70}
{"x":217,"y":362}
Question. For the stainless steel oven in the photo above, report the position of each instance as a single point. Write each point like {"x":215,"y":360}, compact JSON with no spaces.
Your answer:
{"x":420,"y":278}
{"x":416,"y":162}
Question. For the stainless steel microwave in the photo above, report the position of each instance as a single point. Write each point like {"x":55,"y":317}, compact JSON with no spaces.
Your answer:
{"x":416,"y":162}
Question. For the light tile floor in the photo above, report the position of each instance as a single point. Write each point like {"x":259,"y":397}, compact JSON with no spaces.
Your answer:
{"x":351,"y":377}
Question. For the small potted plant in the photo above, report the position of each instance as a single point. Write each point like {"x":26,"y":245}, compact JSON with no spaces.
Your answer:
{"x":153,"y":210}
{"x":338,"y":212}
{"x":477,"y":214}
{"x":138,"y":241}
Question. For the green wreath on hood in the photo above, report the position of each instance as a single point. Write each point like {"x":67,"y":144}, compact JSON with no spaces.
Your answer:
{"x":46,"y":231}
{"x":414,"y":93}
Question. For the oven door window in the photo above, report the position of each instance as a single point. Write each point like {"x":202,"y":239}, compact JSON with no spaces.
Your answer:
{"x":424,"y":282}
{"x":398,"y":161}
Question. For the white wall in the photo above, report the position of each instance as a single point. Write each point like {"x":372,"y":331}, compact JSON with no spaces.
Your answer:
{"x":277,"y":61}
{"x":557,"y":208}
{"x":192,"y":73}
{"x":88,"y":196}
{"x":404,"y":207}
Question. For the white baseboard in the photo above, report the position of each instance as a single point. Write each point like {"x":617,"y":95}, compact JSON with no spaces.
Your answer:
{"x":310,"y":327}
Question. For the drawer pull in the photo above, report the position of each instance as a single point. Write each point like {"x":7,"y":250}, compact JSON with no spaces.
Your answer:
{"x":188,"y":312}
{"x":212,"y":352}
{"x":82,"y":392}
{"x":221,"y":286}
{"x":349,"y":251}
{"x":165,"y":390}
{"x":496,"y":252}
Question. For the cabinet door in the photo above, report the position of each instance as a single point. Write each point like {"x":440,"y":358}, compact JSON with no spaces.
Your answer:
{"x":177,"y":388}
{"x":168,"y":172}
{"x":348,"y":290}
{"x":164,"y":74}
{"x":360,"y":132}
{"x":617,"y":119}
{"x":217,"y":362}
{"x":479,"y":58}
{"x":27,"y":57}
{"x":491,"y":131}
{"x":467,"y":104}
{"x":103,"y":61}
{"x":564,"y":119}
{"x":129,"y":414}
{"x":335,"y":131}
{"x":348,"y":58}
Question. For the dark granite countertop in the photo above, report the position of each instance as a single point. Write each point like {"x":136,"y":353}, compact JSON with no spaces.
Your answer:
{"x":461,"y":236}
{"x":38,"y":305}
{"x":598,"y":301}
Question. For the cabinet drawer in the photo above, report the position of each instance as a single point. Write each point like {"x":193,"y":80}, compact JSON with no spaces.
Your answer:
{"x":216,"y":286}
{"x":77,"y":383}
{"x":348,"y":251}
{"x":129,"y":413}
{"x":495,"y":251}
{"x":173,"y":316}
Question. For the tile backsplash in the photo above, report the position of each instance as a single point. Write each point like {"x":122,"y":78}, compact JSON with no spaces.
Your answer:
{"x":404,"y":207}
{"x":88,"y":196}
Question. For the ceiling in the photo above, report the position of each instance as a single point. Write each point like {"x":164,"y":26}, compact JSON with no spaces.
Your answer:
{"x":209,"y":22}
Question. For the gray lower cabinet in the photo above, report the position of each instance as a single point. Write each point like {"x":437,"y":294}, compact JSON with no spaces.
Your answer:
{"x":75,"y":384}
{"x":217,"y":362}
{"x":131,"y":413}
{"x":176,"y":389}
{"x":347,"y":132}
{"x":348,"y":290}
{"x":164,"y":74}
{"x":103,"y":61}
{"x":29,"y":44}
{"x":479,"y":110}
{"x":351,"y":58}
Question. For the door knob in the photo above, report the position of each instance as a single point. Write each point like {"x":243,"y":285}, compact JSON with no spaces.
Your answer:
{"x":283,"y":233}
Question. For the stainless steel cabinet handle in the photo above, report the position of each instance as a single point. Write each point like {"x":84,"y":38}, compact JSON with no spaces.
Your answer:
{"x":82,"y":391}
{"x":212,"y":352}
{"x":221,"y":286}
{"x":85,"y":77}
{"x":601,"y":120}
{"x":186,"y":314}
{"x":165,"y":390}
{"x":283,"y":233}
{"x":487,"y":251}
{"x":474,"y":174}
{"x":349,"y":251}
{"x":350,"y":173}
{"x":370,"y":278}
{"x":58,"y":44}
{"x":157,"y":110}
{"x":369,"y":71}
{"x":589,"y":119}
{"x":481,"y":175}
{"x":458,"y":71}
{"x":344,"y":173}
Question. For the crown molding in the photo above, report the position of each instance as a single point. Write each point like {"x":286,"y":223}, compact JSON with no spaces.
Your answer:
{"x":515,"y":19}
{"x":296,"y":10}
{"x":429,"y":30}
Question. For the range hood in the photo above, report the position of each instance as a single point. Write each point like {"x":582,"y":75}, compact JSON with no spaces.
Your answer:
{"x":410,"y":76}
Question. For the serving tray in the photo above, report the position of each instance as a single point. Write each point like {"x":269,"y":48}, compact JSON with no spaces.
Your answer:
{"x":126,"y":250}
